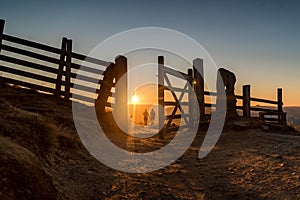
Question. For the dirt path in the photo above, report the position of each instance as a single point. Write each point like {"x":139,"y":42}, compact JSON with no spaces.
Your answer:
{"x":245,"y":164}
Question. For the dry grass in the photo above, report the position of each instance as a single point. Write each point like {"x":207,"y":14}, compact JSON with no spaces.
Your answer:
{"x":29,"y":141}
{"x":67,"y":141}
{"x":30,"y":130}
{"x":22,"y":174}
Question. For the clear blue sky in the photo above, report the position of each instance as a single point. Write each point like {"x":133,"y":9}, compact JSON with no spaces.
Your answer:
{"x":258,"y":40}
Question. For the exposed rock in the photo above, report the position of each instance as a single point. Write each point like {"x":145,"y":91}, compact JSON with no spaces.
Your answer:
{"x":228,"y":80}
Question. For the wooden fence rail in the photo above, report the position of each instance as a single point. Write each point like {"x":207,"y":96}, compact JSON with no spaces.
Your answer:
{"x":62,"y":58}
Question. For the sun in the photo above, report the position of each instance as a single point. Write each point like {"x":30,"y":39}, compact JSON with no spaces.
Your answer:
{"x":134,"y":99}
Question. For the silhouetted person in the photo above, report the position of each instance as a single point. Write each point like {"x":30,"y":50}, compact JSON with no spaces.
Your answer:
{"x":146,"y":116}
{"x":152,"y":116}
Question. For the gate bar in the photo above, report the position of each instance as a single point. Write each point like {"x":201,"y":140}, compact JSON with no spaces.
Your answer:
{"x":161,"y":96}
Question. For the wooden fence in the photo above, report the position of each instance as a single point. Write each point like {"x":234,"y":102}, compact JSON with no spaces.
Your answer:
{"x":62,"y":65}
{"x":57,"y":72}
{"x":274,"y":106}
{"x":194,"y":77}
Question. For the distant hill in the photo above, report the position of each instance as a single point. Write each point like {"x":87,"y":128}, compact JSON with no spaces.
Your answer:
{"x":293,"y":116}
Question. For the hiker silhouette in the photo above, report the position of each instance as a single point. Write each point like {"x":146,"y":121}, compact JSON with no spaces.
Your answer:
{"x":146,"y":116}
{"x":152,"y":116}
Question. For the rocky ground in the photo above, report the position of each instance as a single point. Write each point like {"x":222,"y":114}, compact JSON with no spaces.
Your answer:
{"x":41,"y":157}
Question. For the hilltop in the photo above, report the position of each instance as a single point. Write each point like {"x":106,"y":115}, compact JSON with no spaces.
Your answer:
{"x":293,"y":116}
{"x":42,"y":157}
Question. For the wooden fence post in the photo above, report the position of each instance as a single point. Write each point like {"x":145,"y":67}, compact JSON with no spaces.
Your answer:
{"x":2,"y":22}
{"x":199,"y":85}
{"x":279,"y":105}
{"x":161,"y":96}
{"x":121,"y":99}
{"x":246,"y":101}
{"x":191,"y":98}
{"x":61,"y":67}
{"x":68,"y":69}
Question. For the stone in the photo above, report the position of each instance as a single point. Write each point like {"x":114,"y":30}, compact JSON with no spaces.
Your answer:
{"x":227,"y":79}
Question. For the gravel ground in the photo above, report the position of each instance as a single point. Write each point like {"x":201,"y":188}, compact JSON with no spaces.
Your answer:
{"x":248,"y":162}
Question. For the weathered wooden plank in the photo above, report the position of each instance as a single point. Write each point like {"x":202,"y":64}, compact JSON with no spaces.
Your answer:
{"x":28,"y":64}
{"x":87,"y":68}
{"x":279,"y":105}
{"x":121,"y":92}
{"x":61,"y":66}
{"x":199,"y":86}
{"x":27,"y":74}
{"x":210,"y":105}
{"x":82,"y":98}
{"x":176,"y":89}
{"x":239,"y":107}
{"x":239,"y":97}
{"x":30,"y":54}
{"x":175,"y":73}
{"x":178,"y":100}
{"x":263,"y":100}
{"x":82,"y":77}
{"x":88,"y":79}
{"x":86,"y":88}
{"x":173,"y":103}
{"x":191,"y":99}
{"x":161,"y":96}
{"x":31,"y":44}
{"x":246,"y":101}
{"x":90,"y":59}
{"x":45,"y":68}
{"x":279,"y":100}
{"x":87,"y":99}
{"x":105,"y":88}
{"x":2,"y":23}
{"x":178,"y":116}
{"x":210,"y":93}
{"x":68,"y":69}
{"x":28,"y":85}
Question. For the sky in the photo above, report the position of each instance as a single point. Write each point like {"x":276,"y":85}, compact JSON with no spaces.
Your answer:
{"x":258,"y":40}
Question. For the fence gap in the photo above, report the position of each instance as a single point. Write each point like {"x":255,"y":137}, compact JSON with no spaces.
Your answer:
{"x":68,"y":69}
{"x":161,"y":96}
{"x":199,"y":85}
{"x":61,"y":67}
{"x":246,"y":101}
